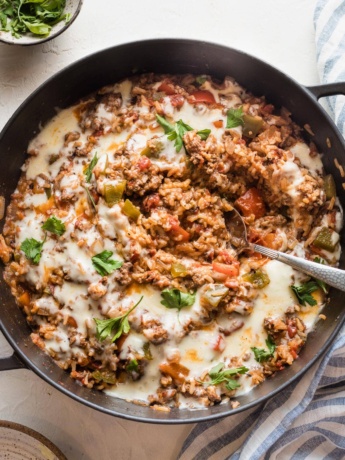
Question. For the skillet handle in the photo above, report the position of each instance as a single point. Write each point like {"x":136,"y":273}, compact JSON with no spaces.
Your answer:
{"x":11,"y":362}
{"x":327,"y":89}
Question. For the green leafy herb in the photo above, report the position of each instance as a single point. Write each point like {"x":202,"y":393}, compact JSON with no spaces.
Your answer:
{"x":174,"y":298}
{"x":118,"y":326}
{"x":89,"y":169}
{"x":31,"y":16}
{"x":320,"y":260}
{"x":177,"y":134}
{"x":132,"y":366}
{"x":234,"y":118}
{"x":218,"y":375}
{"x":177,"y":131}
{"x":92,"y":201}
{"x":168,"y":128}
{"x":261,"y":354}
{"x":32,"y":249}
{"x":204,"y":133}
{"x":303,"y":292}
{"x":104,"y":265}
{"x":54,"y":225}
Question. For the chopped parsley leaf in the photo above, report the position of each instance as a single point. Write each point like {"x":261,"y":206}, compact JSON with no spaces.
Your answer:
{"x":54,"y":225}
{"x":234,"y":118}
{"x":104,"y":265}
{"x":119,"y":325}
{"x":32,"y":249}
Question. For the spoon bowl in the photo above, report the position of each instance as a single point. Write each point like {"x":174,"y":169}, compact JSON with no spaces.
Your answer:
{"x":239,"y":240}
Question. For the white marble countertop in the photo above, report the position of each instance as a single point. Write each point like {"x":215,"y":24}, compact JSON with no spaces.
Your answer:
{"x":280,"y":33}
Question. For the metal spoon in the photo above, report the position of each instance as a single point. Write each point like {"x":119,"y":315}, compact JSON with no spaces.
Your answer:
{"x":238,"y":231}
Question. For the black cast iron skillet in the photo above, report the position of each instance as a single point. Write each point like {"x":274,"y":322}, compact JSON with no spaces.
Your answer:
{"x":168,"y":56}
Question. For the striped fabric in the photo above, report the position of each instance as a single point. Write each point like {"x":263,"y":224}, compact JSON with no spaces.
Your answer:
{"x":307,"y":421}
{"x":329,"y":20}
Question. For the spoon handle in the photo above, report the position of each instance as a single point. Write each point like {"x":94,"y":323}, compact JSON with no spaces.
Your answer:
{"x":330,"y":275}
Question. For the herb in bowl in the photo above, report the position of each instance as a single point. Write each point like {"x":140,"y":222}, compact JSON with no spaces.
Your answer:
{"x":31,"y":16}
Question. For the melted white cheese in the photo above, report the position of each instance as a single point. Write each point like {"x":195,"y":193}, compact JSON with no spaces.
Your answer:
{"x":199,"y":349}
{"x":50,"y":141}
{"x":302,"y":152}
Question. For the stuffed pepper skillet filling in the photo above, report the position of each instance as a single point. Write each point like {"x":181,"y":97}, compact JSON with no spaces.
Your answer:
{"x":116,"y":245}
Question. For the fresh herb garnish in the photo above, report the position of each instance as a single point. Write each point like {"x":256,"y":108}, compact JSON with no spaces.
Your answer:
{"x":54,"y":225}
{"x":132,"y":366}
{"x":181,"y":129}
{"x":32,"y":249}
{"x":104,"y":265}
{"x":119,"y":325}
{"x":234,"y":118}
{"x":174,"y":298}
{"x":218,"y":375}
{"x":35,"y":16}
{"x":177,"y":131}
{"x":261,"y":354}
{"x":168,"y":128}
{"x":92,"y":201}
{"x":303,"y":292}
{"x":204,"y":133}
{"x":89,"y":169}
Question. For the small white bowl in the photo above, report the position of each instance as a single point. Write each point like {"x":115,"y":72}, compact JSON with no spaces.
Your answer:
{"x":72,"y":7}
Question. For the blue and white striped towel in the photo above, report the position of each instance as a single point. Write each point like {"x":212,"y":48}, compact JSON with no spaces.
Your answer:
{"x":307,"y":420}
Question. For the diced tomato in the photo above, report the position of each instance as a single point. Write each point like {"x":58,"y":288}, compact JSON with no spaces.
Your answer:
{"x":167,"y":88}
{"x":202,"y":96}
{"x":251,"y":203}
{"x":177,"y":100}
{"x":219,"y":345}
{"x":231,"y":283}
{"x":177,"y":230}
{"x":181,"y":233}
{"x":218,"y":124}
{"x":291,"y":331}
{"x":225,"y":269}
{"x":144,"y":163}
{"x":226,"y":257}
{"x":151,"y":201}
